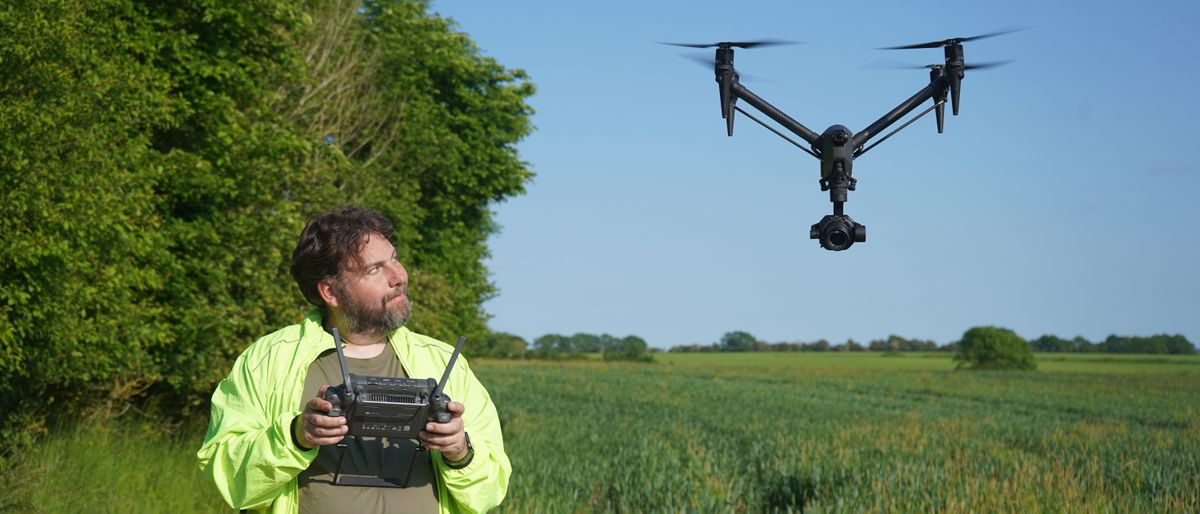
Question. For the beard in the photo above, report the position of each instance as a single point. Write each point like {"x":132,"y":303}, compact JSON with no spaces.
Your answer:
{"x":366,"y":317}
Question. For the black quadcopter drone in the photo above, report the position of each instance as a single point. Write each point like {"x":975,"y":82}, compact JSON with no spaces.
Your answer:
{"x":837,"y":147}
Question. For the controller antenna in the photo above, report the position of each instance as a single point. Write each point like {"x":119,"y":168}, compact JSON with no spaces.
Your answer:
{"x":337,"y":344}
{"x":449,"y":366}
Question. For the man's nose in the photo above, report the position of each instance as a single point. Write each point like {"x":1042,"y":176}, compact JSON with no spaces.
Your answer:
{"x":397,"y":275}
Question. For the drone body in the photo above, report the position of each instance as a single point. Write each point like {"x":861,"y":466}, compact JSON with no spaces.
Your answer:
{"x":838,"y":146}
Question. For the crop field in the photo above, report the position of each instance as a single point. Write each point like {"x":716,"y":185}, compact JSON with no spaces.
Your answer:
{"x":755,"y":432}
{"x":763,"y":432}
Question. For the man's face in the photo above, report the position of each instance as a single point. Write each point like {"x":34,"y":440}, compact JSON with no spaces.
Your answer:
{"x":373,"y":292}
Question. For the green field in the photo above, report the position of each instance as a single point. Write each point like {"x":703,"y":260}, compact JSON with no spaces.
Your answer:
{"x":761,"y":432}
{"x":933,"y":361}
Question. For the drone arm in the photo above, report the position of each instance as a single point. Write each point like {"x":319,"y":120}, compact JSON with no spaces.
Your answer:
{"x":766,"y":108}
{"x":775,"y":130}
{"x":900,"y":111}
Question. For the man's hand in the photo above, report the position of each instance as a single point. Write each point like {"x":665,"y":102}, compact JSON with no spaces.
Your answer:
{"x":448,"y":438}
{"x":314,"y":427}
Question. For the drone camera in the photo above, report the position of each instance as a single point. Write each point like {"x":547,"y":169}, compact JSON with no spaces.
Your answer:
{"x":838,"y":232}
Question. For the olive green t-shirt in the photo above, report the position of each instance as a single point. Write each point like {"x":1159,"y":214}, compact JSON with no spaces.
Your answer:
{"x":383,"y":457}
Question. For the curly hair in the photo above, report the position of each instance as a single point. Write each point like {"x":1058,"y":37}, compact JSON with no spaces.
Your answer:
{"x":330,"y":241}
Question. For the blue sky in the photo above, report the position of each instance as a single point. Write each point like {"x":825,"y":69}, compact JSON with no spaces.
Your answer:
{"x":1063,"y":200}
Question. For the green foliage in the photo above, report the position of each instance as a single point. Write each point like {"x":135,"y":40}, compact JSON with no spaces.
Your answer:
{"x":503,"y":345}
{"x":994,"y":348}
{"x":738,"y":341}
{"x":1160,"y":344}
{"x":560,"y":347}
{"x":1051,"y":343}
{"x":81,"y":252}
{"x":160,"y":160}
{"x":554,"y":347}
{"x":743,"y":342}
{"x":628,"y":348}
{"x":895,"y":343}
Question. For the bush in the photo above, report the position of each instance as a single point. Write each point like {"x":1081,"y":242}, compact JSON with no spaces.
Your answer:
{"x":994,"y":348}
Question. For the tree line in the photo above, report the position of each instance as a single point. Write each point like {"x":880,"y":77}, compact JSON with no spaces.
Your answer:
{"x":741,"y":341}
{"x":503,"y":345}
{"x":1160,"y":344}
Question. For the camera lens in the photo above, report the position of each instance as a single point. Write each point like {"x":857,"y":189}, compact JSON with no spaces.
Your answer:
{"x":838,"y":237}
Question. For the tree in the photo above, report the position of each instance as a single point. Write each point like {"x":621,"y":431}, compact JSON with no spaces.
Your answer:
{"x":460,"y":115}
{"x":505,"y":346}
{"x":738,"y":341}
{"x":1161,"y":343}
{"x":628,"y":348}
{"x":589,"y":343}
{"x":1050,"y":343}
{"x":81,"y":248}
{"x":994,"y":348}
{"x":1082,"y":345}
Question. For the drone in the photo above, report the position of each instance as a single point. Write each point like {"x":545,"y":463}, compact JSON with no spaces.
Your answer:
{"x":837,"y":147}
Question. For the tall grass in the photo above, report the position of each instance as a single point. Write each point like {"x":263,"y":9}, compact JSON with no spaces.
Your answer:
{"x":112,"y":465}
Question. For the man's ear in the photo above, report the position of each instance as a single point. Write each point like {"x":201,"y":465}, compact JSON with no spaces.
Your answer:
{"x":325,"y":289}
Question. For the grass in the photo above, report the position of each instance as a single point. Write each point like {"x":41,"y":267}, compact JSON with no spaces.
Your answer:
{"x":932,"y":361}
{"x":817,"y":432}
{"x":849,"y":433}
{"x":121,"y":465}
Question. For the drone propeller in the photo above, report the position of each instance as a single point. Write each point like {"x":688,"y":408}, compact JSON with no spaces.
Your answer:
{"x":954,"y":60}
{"x":707,"y":62}
{"x":726,"y":76}
{"x":979,"y":66}
{"x":739,"y":44}
{"x":986,"y":65}
{"x":949,"y":42}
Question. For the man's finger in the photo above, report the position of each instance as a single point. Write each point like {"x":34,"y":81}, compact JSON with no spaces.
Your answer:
{"x":323,"y":441}
{"x":337,"y":432}
{"x":454,"y":426}
{"x":319,"y":419}
{"x":443,"y":443}
{"x":319,"y":405}
{"x":318,"y":402}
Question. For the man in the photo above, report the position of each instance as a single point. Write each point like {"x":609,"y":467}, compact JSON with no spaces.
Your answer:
{"x":271,"y":446}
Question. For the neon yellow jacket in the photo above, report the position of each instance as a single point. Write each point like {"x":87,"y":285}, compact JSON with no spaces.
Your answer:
{"x":249,"y":452}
